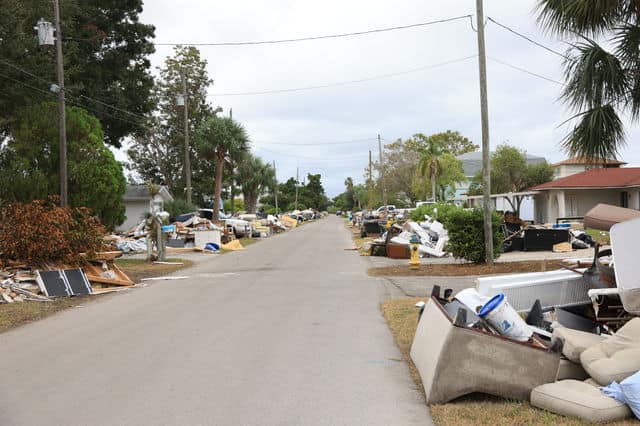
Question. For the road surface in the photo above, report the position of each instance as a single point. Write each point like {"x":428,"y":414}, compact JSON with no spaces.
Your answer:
{"x":287,"y":332}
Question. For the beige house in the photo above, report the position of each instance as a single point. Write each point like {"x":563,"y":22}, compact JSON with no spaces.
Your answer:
{"x":137,"y":202}
{"x":575,"y":195}
{"x":575,"y":165}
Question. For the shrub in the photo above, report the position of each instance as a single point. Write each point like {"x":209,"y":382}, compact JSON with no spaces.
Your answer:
{"x":332,"y":209}
{"x":42,"y":232}
{"x":179,"y":206}
{"x":238,"y":203}
{"x":444,"y":211}
{"x":466,"y":234}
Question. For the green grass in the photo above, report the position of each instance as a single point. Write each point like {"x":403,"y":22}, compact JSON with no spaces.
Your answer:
{"x":601,"y":237}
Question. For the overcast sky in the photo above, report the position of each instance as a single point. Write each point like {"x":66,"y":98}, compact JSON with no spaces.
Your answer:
{"x":523,"y":110}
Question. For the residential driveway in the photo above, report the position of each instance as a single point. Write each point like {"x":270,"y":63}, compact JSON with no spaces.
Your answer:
{"x":287,"y":332}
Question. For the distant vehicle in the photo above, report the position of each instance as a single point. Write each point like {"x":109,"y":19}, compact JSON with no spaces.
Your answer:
{"x":339,"y":213}
{"x":388,"y":208}
{"x":424,"y":203}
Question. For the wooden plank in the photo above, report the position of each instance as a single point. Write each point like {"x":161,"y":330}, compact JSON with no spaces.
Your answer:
{"x":94,"y":274}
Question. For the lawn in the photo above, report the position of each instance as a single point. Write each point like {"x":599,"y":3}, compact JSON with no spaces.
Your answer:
{"x":478,"y":409}
{"x":461,"y":269}
{"x":601,"y":237}
{"x":16,"y":314}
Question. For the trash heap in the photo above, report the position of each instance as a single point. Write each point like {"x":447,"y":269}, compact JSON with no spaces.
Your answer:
{"x":20,"y":282}
{"x":568,"y":341}
{"x":394,"y":239}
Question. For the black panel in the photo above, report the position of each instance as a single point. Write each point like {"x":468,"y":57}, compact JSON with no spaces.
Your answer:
{"x":77,"y":281}
{"x":54,"y":283}
{"x":544,"y":239}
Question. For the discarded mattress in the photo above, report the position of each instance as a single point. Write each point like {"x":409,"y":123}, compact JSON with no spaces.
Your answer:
{"x":624,"y":245}
{"x":455,"y":361}
{"x":604,"y":216}
{"x":579,"y":399}
{"x":558,"y":288}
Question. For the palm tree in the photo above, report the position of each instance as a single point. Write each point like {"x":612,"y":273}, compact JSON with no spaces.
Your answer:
{"x":254,"y":177}
{"x":601,"y":83}
{"x":429,"y":165}
{"x":350,"y":196}
{"x":221,"y":138}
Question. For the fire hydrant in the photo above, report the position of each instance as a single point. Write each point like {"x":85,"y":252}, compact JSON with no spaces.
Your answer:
{"x":414,"y":243}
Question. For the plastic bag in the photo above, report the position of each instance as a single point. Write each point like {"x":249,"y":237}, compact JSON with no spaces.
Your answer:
{"x":627,"y":392}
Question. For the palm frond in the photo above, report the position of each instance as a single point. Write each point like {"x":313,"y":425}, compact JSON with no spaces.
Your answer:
{"x":594,"y":77}
{"x":592,"y":17}
{"x":598,"y":134}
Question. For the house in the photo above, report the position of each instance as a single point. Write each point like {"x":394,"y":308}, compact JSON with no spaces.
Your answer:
{"x":575,"y":195}
{"x":137,"y":202}
{"x":575,"y":165}
{"x":472,"y":165}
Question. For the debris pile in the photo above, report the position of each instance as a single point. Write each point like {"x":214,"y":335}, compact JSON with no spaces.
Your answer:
{"x":567,"y":340}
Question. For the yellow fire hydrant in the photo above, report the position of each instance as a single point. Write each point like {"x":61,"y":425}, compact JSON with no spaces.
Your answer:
{"x":414,"y":243}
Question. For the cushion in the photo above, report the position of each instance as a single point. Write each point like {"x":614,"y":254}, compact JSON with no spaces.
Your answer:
{"x":616,"y":357}
{"x":570,"y":370}
{"x":578,"y":399}
{"x":574,"y":342}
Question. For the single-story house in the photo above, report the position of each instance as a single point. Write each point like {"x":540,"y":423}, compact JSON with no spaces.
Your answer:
{"x":137,"y":202}
{"x":575,"y":165}
{"x":575,"y":195}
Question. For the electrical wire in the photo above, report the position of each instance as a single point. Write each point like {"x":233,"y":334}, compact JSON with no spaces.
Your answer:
{"x":345,"y":142}
{"x":525,"y":71}
{"x":530,"y":40}
{"x":344,"y":83}
{"x":321,"y":37}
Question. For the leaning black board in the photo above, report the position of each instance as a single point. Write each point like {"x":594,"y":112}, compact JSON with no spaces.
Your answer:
{"x":53,"y":283}
{"x":77,"y":281}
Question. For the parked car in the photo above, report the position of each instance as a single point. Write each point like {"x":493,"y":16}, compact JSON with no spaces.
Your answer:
{"x":388,"y":208}
{"x":339,"y":213}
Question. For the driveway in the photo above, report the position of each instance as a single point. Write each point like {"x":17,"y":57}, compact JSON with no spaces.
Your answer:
{"x":287,"y":332}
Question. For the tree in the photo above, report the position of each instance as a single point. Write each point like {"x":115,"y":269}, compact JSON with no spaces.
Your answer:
{"x":429,"y":165}
{"x":106,"y":50}
{"x":157,"y":155}
{"x":30,"y":163}
{"x":601,"y":70}
{"x":449,"y":141}
{"x":511,"y":173}
{"x":451,"y":173}
{"x":221,"y":138}
{"x":254,"y":177}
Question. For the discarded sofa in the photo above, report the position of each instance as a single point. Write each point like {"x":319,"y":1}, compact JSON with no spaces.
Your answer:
{"x":457,"y":360}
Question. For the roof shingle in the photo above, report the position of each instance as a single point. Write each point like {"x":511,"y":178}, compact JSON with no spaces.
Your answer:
{"x":596,"y":178}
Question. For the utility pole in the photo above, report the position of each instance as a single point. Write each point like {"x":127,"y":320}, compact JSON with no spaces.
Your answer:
{"x":370,"y":182}
{"x":61,"y":109}
{"x":233,"y":169}
{"x":384,"y":189}
{"x":484,"y":112}
{"x":187,"y":157}
{"x":275,"y":189}
{"x":297,"y":174}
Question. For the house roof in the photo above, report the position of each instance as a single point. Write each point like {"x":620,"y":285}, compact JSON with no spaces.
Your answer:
{"x":588,"y":161}
{"x":141,"y":193}
{"x":472,"y":162}
{"x":596,"y":178}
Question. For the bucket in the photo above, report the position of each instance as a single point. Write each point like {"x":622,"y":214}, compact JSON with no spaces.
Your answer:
{"x":505,"y":319}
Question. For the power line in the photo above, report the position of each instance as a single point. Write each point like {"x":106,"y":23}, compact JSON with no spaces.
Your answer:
{"x":346,"y":142}
{"x":304,"y":157}
{"x":530,"y":40}
{"x":321,"y":37}
{"x":343,"y":83}
{"x":525,"y":71}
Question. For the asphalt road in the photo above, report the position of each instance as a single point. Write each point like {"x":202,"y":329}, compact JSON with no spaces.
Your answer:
{"x":287,"y":332}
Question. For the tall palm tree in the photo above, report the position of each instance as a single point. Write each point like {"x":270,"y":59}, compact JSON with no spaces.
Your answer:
{"x":255,"y":177}
{"x":602,"y":83}
{"x":221,"y":138}
{"x":429,"y":165}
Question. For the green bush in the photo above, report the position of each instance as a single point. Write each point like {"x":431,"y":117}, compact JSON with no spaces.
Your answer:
{"x":238,"y":204}
{"x":466,"y":234}
{"x":179,"y":206}
{"x":332,"y":209}
{"x":444,"y":211}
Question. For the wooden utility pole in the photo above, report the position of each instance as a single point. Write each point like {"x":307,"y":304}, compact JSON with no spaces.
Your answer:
{"x":62,"y":113}
{"x":233,"y":169}
{"x":297,"y":177}
{"x":275,"y":188}
{"x":484,"y":113}
{"x":370,"y":203}
{"x":384,"y":189}
{"x":187,"y":157}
